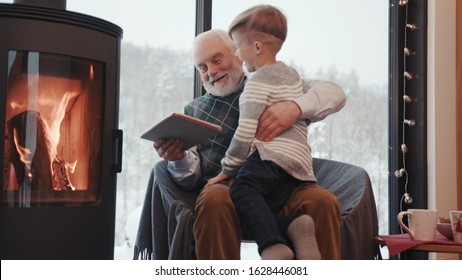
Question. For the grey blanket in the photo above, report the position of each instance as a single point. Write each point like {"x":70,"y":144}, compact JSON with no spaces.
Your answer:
{"x":167,"y":217}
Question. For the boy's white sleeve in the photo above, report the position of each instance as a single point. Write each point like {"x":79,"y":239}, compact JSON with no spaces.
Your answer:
{"x":320,"y":99}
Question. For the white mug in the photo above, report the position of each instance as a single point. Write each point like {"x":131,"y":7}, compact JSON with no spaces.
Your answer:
{"x":422,"y":223}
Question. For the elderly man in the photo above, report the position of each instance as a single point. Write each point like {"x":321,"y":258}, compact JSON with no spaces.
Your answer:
{"x":180,"y":219}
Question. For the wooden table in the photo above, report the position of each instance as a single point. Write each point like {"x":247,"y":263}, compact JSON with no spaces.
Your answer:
{"x":429,"y":247}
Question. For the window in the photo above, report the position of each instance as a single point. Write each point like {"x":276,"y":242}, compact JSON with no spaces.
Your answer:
{"x":342,"y":41}
{"x":345,"y":42}
{"x":333,"y":39}
{"x":156,"y":79}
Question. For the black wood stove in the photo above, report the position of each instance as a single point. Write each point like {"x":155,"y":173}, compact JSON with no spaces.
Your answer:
{"x":59,"y":93}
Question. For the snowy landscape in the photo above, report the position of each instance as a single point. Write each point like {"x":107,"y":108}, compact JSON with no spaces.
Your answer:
{"x":158,"y":81}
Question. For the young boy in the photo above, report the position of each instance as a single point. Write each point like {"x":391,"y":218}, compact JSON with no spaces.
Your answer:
{"x":268,"y":172}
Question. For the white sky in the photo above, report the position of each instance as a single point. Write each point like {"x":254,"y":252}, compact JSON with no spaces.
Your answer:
{"x":350,"y":34}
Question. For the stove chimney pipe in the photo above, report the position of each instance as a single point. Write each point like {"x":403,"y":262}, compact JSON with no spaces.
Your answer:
{"x":54,"y":4}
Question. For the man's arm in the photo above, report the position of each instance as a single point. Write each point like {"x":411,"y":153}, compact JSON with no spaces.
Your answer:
{"x":183,"y":166}
{"x":321,"y":99}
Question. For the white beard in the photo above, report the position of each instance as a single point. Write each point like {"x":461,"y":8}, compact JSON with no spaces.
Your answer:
{"x":234,"y":77}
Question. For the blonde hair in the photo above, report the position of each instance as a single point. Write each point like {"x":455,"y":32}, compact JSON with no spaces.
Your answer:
{"x":262,"y":22}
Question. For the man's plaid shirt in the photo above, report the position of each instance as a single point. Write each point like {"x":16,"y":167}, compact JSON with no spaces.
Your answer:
{"x":223,"y":111}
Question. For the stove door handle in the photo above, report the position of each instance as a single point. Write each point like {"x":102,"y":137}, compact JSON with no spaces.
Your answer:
{"x":118,"y":140}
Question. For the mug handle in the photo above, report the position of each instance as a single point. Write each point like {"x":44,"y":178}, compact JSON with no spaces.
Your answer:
{"x":399,"y":218}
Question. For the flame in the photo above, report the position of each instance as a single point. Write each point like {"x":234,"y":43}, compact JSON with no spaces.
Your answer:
{"x":16,"y":106}
{"x":92,"y":74}
{"x":12,"y":183}
{"x":71,"y":166}
{"x":52,"y":105}
{"x":54,"y":119}
{"x":24,"y":154}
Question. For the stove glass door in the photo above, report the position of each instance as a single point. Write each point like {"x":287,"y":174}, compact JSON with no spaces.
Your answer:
{"x":53,"y":130}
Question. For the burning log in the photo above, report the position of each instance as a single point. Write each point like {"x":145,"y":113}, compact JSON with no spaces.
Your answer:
{"x":30,"y":133}
{"x":60,"y":176}
{"x":34,"y":163}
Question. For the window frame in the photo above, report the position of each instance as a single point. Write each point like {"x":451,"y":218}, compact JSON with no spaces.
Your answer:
{"x":415,"y":136}
{"x":203,"y":23}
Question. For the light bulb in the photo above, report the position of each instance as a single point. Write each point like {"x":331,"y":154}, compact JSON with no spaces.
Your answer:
{"x":409,"y":122}
{"x":403,"y":2}
{"x":399,"y":173}
{"x":404,"y":148}
{"x":407,"y":198}
{"x":412,"y":26}
{"x":408,"y":52}
{"x":410,"y":76}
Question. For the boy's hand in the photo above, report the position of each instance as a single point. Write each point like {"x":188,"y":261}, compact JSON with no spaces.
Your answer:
{"x":220,"y":177}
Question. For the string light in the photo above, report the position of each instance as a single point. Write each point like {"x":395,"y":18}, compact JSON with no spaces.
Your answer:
{"x":410,"y":76}
{"x":406,"y":100}
{"x":408,"y":52}
{"x":409,"y":122}
{"x":400,"y":173}
{"x":403,"y":2}
{"x":412,"y":26}
{"x":404,"y":148}
{"x":407,"y":198}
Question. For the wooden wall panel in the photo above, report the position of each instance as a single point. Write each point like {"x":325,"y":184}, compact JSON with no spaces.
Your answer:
{"x":459,"y":104}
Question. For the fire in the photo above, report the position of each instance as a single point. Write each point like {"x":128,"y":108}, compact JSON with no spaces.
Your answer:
{"x":52,"y":98}
{"x":71,"y":166}
{"x":92,"y":74}
{"x":54,"y":117}
{"x":17,"y":106}
{"x":24,"y":154}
